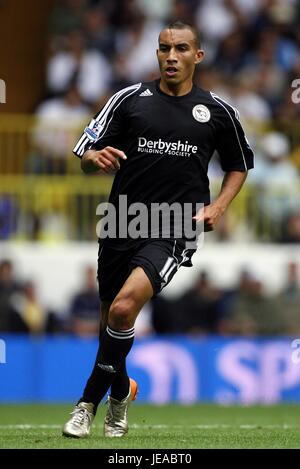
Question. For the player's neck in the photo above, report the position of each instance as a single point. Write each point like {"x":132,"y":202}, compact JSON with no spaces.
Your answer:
{"x":177,"y":90}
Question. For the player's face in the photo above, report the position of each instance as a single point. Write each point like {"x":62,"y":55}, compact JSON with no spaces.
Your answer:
{"x":177,"y":56}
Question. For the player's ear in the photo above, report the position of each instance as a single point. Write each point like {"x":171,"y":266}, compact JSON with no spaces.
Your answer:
{"x":199,"y":56}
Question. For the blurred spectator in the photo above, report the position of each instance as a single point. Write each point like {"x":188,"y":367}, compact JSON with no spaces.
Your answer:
{"x":100,"y":34}
{"x":289,"y":300}
{"x":156,"y":8}
{"x":230,"y":52}
{"x":193,"y":313}
{"x":10,"y":321}
{"x":250,"y":311}
{"x":54,"y":225}
{"x":162,"y":314}
{"x":272,"y":48}
{"x":57,"y":123}
{"x":218,"y":19}
{"x":26,"y":304}
{"x":227,"y":229}
{"x":8,"y":216}
{"x":135,"y":60}
{"x":243,"y":95}
{"x":183,"y":9}
{"x":274,"y":166}
{"x":291,"y":289}
{"x":53,"y":136}
{"x":288,"y":112}
{"x":84,"y":314}
{"x":196,"y":311}
{"x":291,"y":229}
{"x":66,"y":16}
{"x":276,"y":179}
{"x":88,"y":69}
{"x":267,"y":80}
{"x":8,"y":283}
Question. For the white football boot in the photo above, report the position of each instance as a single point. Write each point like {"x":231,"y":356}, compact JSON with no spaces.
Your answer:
{"x":80,"y":423}
{"x":116,"y":420}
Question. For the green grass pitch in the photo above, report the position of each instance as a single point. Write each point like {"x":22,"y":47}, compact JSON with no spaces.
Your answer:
{"x":170,"y":426}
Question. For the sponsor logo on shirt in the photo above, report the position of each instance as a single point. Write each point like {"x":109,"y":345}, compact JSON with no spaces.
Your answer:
{"x":162,"y":147}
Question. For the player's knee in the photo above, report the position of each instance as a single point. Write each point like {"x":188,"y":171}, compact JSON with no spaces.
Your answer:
{"x":121,"y":314}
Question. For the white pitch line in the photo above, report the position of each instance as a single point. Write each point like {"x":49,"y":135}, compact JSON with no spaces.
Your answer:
{"x":162,"y":426}
{"x":28,"y":426}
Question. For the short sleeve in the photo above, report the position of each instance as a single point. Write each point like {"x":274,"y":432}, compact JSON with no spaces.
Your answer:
{"x":231,"y":143}
{"x":105,"y":129}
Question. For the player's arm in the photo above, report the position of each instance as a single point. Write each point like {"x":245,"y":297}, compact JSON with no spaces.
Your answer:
{"x":106,"y":160}
{"x":236,"y":158}
{"x":231,"y":186}
{"x":107,"y":128}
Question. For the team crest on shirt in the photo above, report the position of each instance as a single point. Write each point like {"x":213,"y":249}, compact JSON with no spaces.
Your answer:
{"x":201,"y":113}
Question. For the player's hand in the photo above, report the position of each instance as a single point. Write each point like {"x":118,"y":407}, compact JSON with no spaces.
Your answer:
{"x":106,"y":160}
{"x":209,"y":215}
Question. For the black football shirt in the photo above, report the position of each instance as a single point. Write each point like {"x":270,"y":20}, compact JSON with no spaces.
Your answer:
{"x":168,"y":141}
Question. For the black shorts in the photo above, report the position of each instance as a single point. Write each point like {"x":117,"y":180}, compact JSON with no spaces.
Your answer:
{"x":159,"y":258}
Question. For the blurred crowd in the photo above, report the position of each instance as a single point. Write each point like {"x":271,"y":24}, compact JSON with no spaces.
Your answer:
{"x":252,"y":47}
{"x":96,"y":47}
{"x":245,"y":309}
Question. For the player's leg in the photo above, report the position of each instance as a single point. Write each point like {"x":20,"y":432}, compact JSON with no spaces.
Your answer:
{"x":113,"y":269}
{"x":159,"y":261}
{"x":154,"y":265}
{"x":118,"y":337}
{"x":116,"y":342}
{"x":84,"y":412}
{"x":105,"y":305}
{"x":116,"y":418}
{"x":120,"y":385}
